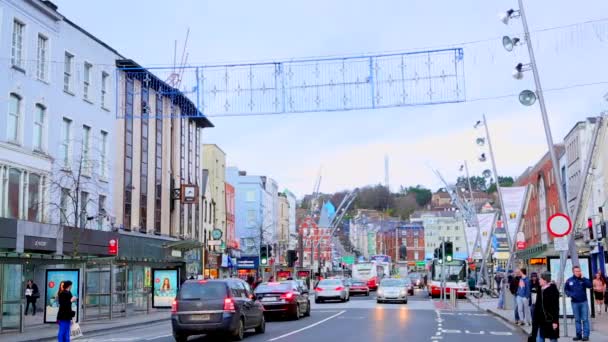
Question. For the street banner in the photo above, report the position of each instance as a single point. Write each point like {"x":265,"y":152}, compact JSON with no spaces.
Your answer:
{"x":54,"y":279}
{"x":485,"y":226}
{"x":166,"y":284}
{"x":513,"y":198}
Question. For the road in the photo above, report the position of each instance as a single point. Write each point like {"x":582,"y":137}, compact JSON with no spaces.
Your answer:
{"x":361,"y":319}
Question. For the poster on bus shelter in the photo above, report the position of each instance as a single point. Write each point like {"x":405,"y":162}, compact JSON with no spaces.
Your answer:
{"x":53,"y":281}
{"x":554,"y":267}
{"x":166,"y":284}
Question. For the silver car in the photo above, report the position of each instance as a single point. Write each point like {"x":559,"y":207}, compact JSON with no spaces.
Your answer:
{"x":331,"y":289}
{"x":392,"y":290}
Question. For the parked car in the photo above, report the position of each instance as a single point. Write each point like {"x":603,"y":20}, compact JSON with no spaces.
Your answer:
{"x":358,"y":287}
{"x":225,"y":307}
{"x":409,"y":285}
{"x":392,"y":290}
{"x":331,"y":289}
{"x":286,"y":298}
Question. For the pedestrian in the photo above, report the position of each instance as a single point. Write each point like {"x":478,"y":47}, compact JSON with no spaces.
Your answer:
{"x":65,"y":314}
{"x":498,"y":279}
{"x":523,"y":298}
{"x":546,"y":311}
{"x":472,"y":283}
{"x":599,"y":288}
{"x":535,"y":289}
{"x":31,"y":295}
{"x":576,"y":288}
{"x":513,"y":285}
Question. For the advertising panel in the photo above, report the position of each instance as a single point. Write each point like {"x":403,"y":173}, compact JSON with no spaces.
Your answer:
{"x":166,"y":284}
{"x":554,"y":268}
{"x":53,"y":281}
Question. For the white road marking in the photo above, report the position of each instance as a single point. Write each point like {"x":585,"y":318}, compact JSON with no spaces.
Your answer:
{"x":307,"y":327}
{"x":509,"y":326}
{"x":451,"y":331}
{"x":474,"y":333}
{"x":324,"y":311}
{"x":157,"y":337}
{"x":501,"y":333}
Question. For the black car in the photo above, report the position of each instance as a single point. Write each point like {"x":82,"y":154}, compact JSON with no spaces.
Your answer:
{"x":223,"y":307}
{"x":285,"y":298}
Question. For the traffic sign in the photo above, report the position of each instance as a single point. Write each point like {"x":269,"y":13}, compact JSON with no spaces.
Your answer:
{"x":559,"y":225}
{"x":521,"y":241}
{"x":560,"y":244}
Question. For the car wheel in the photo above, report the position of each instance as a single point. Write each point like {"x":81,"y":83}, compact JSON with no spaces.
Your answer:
{"x":297,"y":314}
{"x":262,"y":327}
{"x":317,"y":301}
{"x":180,"y":338}
{"x":307,"y":313}
{"x":239,"y":334}
{"x":367,"y":294}
{"x":405,"y":301}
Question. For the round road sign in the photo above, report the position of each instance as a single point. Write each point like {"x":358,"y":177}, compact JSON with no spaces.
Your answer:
{"x":559,"y":225}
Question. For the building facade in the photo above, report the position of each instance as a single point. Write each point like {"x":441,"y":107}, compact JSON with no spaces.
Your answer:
{"x":214,"y":160}
{"x":441,"y":224}
{"x":231,"y":238}
{"x":293,"y":232}
{"x":283,"y":229}
{"x":404,"y":237}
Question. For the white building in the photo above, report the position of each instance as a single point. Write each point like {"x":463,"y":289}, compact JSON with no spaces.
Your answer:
{"x":58,"y":115}
{"x":293,"y":234}
{"x":439,"y":224}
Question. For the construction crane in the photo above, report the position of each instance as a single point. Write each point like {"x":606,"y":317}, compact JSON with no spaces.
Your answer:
{"x":175,"y":78}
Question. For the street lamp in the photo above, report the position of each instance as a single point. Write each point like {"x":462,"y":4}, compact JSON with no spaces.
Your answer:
{"x":508,"y":15}
{"x":509,"y":43}
{"x":527,"y":98}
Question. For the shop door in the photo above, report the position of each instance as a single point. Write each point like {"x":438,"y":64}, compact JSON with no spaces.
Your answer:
{"x":137,"y":294}
{"x":11,"y":288}
{"x":120,"y":290}
{"x":97,"y":293}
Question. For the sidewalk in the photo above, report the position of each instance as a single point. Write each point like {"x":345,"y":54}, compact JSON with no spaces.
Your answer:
{"x":599,"y":325}
{"x":49,"y":331}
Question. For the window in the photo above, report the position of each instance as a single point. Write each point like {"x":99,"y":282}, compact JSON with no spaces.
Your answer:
{"x":41,"y":65}
{"x":103,"y":162}
{"x":457,"y":238}
{"x":86,"y":80}
{"x":39,"y":117}
{"x":250,"y":196}
{"x":143,"y":180}
{"x":84,"y":201}
{"x":251,"y":218}
{"x":14,"y":193}
{"x":63,"y":213}
{"x":415,"y":243}
{"x":68,"y":72}
{"x":128,"y":176}
{"x":14,"y":118}
{"x":416,"y":255}
{"x":86,"y":146}
{"x":17,"y":51}
{"x":104,"y":88}
{"x":66,"y":141}
{"x":33,"y":210}
{"x":101,"y":211}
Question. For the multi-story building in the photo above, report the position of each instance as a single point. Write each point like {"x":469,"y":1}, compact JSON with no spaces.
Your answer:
{"x":293,"y":232}
{"x":231,"y":237}
{"x":441,"y":224}
{"x":214,"y":160}
{"x":283,"y":230}
{"x":541,"y":202}
{"x":271,"y":209}
{"x":409,"y":235}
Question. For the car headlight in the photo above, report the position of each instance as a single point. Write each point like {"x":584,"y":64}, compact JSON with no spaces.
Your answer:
{"x":380,"y":292}
{"x":403,"y":292}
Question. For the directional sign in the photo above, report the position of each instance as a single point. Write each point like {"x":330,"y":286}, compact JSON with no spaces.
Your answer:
{"x":559,"y":225}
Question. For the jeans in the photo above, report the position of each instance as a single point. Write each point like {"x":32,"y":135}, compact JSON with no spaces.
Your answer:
{"x":523,"y":306}
{"x":64,"y":331}
{"x":540,"y":338}
{"x":581,"y":315}
{"x":515,"y":308}
{"x":32,"y":301}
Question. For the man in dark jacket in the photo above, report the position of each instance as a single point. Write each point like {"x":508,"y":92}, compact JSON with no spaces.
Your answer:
{"x":513,"y":285}
{"x":546,"y":310}
{"x":576,"y":288}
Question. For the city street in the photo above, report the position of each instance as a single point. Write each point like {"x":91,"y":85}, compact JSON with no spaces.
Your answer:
{"x":361,"y":319}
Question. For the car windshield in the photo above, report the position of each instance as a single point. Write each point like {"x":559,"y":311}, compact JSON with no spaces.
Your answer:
{"x":330,"y":282}
{"x":406,"y":281}
{"x":391,"y":283}
{"x":273,"y":287}
{"x":414,"y":276}
{"x":202,"y":290}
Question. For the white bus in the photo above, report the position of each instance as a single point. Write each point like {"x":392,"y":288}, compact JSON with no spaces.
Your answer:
{"x":370,"y":272}
{"x":455,"y":278}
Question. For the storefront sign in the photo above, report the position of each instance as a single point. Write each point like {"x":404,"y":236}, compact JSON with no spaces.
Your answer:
{"x":248,"y":263}
{"x":189,"y":193}
{"x":283,"y":275}
{"x":166,"y":284}
{"x":212,"y":260}
{"x":113,"y":247}
{"x":538,"y":261}
{"x":176,"y":253}
{"x":303,"y":274}
{"x":53,"y":283}
{"x":39,"y":243}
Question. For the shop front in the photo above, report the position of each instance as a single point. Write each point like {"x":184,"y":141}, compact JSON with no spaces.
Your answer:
{"x":247,"y":266}
{"x":212,"y":265}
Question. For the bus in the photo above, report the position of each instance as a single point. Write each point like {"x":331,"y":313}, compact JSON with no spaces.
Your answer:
{"x":383,"y":261}
{"x":455,"y":277}
{"x":370,"y":272}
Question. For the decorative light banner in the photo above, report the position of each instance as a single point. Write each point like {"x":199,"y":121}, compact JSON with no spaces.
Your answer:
{"x":513,"y":198}
{"x":485,"y":226}
{"x":310,"y":85}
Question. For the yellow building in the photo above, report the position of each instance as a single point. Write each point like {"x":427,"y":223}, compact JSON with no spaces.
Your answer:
{"x":214,"y":160}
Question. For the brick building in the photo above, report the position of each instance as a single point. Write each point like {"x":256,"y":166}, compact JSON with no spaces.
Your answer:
{"x":410,"y":235}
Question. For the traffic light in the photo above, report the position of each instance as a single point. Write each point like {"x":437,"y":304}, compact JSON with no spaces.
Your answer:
{"x":438,"y":253}
{"x":590,"y":227}
{"x":449,"y":251}
{"x":292,"y":257}
{"x":264,"y":255}
{"x":269,"y":251}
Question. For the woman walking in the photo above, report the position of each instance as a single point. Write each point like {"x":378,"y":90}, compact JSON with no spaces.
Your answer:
{"x":599,"y":288}
{"x":546,"y":310}
{"x":534,"y":291}
{"x":65,"y":313}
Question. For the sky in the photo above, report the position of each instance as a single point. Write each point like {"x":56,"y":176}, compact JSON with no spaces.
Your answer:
{"x":349,"y":148}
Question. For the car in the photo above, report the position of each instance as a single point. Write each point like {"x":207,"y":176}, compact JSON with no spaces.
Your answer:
{"x":358,"y":287}
{"x":285,"y":298}
{"x":392,"y":290}
{"x":416,"y":279}
{"x":410,"y":286}
{"x":331,"y":289}
{"x":216,"y":307}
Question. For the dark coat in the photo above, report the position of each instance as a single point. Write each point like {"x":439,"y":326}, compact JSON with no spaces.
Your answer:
{"x":546,"y":312}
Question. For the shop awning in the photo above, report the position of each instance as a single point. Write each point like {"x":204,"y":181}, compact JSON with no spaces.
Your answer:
{"x":183,"y":244}
{"x":532,"y":252}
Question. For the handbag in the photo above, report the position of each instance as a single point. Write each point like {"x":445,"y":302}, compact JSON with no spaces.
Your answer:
{"x":75,"y":331}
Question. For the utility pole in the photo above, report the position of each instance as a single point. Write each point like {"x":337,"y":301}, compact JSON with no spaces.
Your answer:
{"x":442,"y":269}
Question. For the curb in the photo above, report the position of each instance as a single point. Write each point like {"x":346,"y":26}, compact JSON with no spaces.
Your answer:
{"x":85,"y":331}
{"x":501,"y":318}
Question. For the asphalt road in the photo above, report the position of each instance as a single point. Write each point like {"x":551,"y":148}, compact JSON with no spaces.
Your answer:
{"x":360,"y":319}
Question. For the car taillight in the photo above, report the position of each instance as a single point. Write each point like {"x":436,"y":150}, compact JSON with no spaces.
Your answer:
{"x":339,"y":288}
{"x":318,"y":289}
{"x":174,"y":306}
{"x":229,"y":305}
{"x":288,"y":296}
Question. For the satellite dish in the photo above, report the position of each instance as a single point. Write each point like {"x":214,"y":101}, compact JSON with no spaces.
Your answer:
{"x":527,"y":97}
{"x":481,"y":141}
{"x":482,"y":158}
{"x":487,"y":173}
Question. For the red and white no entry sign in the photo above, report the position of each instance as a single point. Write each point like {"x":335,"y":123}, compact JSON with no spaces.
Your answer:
{"x":559,"y":225}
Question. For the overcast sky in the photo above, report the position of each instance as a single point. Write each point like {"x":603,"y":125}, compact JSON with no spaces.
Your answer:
{"x":350,"y":147}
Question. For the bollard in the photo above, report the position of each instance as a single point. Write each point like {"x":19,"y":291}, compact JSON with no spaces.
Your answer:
{"x":148,"y":297}
{"x":453,"y":298}
{"x":21,"y":318}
